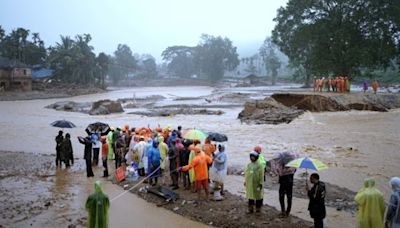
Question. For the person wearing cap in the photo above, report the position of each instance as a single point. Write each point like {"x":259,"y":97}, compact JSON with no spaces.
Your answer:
{"x":254,"y":183}
{"x":261,"y":159}
{"x":199,"y":164}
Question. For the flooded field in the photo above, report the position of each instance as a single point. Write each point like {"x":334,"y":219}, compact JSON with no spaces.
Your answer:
{"x":355,"y":144}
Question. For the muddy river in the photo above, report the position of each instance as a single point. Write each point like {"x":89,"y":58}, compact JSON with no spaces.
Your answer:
{"x":355,"y":144}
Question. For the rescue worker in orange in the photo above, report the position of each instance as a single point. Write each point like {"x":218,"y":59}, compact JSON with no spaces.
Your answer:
{"x":375,"y":86}
{"x":199,"y":164}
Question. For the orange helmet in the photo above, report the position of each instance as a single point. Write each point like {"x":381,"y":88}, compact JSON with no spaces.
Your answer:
{"x":257,"y":149}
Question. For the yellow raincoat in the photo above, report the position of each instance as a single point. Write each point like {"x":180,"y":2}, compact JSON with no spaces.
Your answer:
{"x":371,"y":206}
{"x":163,"y":148}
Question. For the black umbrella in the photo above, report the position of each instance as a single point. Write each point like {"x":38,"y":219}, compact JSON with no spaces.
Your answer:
{"x":217,"y":137}
{"x":98,"y":127}
{"x":63,"y":124}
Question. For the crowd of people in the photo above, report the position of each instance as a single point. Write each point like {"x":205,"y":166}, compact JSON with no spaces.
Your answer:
{"x":196,"y":165}
{"x":340,"y":84}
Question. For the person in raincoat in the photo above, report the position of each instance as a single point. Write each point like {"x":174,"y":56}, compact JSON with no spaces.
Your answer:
{"x":375,"y":86}
{"x":97,"y":205}
{"x":145,"y":157}
{"x":218,"y":172}
{"x":139,"y":149}
{"x":254,"y":183}
{"x":365,"y":86}
{"x":393,"y":209}
{"x":111,"y":145}
{"x":261,"y":158}
{"x":87,"y":154}
{"x":154,"y":163}
{"x":173,"y":164}
{"x":316,"y":205}
{"x":163,"y":148}
{"x":371,"y":206}
{"x":199,"y":164}
{"x":96,"y":148}
{"x":104,"y":153}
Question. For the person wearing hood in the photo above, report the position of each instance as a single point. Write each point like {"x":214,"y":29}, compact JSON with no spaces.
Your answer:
{"x":199,"y":165}
{"x":163,"y":148}
{"x":173,"y":165}
{"x":154,"y":163}
{"x":111,"y":145}
{"x":145,"y":158}
{"x":316,"y":196}
{"x":218,"y":171}
{"x":393,"y":209}
{"x":97,"y":205}
{"x":171,"y":138}
{"x":139,"y":150}
{"x":371,"y":206}
{"x":254,"y":183}
{"x":59,"y":139}
{"x":87,"y":154}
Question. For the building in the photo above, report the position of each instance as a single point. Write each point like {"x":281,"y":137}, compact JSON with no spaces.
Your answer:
{"x":14,"y":75}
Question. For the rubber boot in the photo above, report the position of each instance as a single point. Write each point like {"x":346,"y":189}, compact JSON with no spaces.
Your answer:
{"x":250,"y":210}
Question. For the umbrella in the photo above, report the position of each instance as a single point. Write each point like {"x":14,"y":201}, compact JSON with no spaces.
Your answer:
{"x":63,"y":124}
{"x":280,"y":160}
{"x":307,"y":163}
{"x":195,"y":134}
{"x":217,"y":137}
{"x":98,"y":127}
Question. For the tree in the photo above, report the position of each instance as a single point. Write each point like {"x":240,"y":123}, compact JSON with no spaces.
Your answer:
{"x":17,"y":46}
{"x":122,"y":64}
{"x":271,"y":61}
{"x":214,"y":55}
{"x":338,"y":36}
{"x":102,"y":63}
{"x":180,"y":60}
{"x":251,"y":67}
{"x":74,"y":60}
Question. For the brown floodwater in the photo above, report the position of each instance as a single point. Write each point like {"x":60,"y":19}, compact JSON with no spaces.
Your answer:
{"x":355,"y":144}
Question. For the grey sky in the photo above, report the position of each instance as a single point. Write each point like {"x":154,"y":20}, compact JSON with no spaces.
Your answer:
{"x":147,"y":26}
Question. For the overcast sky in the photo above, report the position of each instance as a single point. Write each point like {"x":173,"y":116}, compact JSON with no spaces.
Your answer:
{"x":147,"y":26}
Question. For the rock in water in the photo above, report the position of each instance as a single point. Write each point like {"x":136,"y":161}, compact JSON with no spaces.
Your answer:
{"x":104,"y":107}
{"x":268,"y":111}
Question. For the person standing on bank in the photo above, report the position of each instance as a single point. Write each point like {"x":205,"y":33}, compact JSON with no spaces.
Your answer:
{"x":59,"y":140}
{"x":96,"y":148}
{"x":286,"y":175}
{"x":317,"y":200}
{"x":87,"y":154}
{"x":254,"y":183}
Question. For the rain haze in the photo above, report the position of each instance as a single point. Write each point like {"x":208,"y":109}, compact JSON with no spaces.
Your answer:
{"x":146,"y":26}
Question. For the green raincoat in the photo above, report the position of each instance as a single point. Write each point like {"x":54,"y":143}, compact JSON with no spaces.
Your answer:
{"x":110,"y":142}
{"x":371,"y":206}
{"x":97,"y":205}
{"x":262,"y":161}
{"x":254,"y":177}
{"x":163,"y":148}
{"x":192,"y":176}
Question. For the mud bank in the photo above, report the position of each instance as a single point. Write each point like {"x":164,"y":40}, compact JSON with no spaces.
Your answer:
{"x":231,"y":212}
{"x":284,"y":107}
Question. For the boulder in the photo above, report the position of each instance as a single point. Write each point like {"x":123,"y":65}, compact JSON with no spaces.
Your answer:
{"x":268,"y":111}
{"x":104,"y":107}
{"x":70,"y":106}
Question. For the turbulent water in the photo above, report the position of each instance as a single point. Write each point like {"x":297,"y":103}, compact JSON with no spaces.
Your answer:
{"x":355,"y":144}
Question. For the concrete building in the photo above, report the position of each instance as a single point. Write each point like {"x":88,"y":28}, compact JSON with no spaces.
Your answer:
{"x":14,"y":75}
